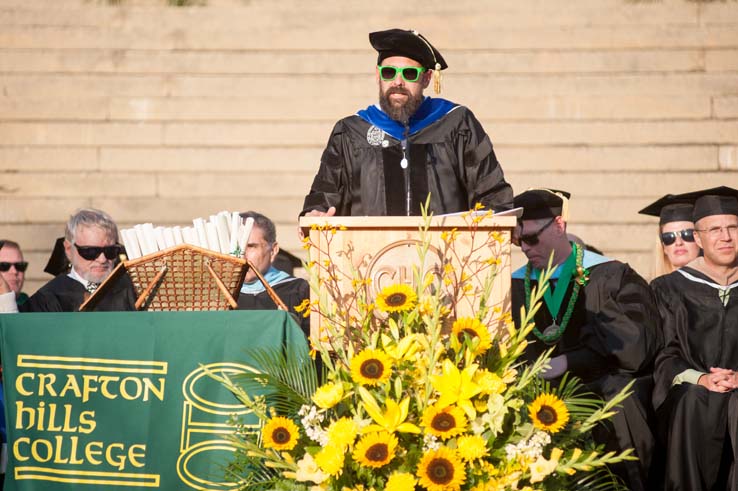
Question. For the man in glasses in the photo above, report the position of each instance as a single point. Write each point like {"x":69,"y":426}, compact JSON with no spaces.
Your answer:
{"x":696,"y":394}
{"x":13,"y":269}
{"x":91,"y":245}
{"x":387,"y":158}
{"x":599,"y":317}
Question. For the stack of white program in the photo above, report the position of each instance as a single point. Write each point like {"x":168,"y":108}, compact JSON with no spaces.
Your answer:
{"x":226,"y":233}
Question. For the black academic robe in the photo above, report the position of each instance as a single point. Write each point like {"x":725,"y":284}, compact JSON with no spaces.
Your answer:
{"x":292,"y":292}
{"x":452,"y":159}
{"x":698,"y":427}
{"x":612,"y":338}
{"x":64,"y":294}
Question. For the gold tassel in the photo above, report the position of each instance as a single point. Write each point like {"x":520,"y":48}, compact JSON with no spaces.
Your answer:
{"x":437,"y":78}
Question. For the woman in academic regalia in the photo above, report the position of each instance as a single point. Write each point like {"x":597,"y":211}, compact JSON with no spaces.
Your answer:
{"x":675,"y":246}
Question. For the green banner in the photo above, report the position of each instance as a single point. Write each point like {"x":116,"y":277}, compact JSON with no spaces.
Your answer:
{"x":121,"y":401}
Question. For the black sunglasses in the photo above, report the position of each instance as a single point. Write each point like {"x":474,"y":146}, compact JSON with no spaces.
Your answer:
{"x":531,"y":239}
{"x":687,"y":235}
{"x":91,"y":253}
{"x":409,"y":73}
{"x":20,"y":266}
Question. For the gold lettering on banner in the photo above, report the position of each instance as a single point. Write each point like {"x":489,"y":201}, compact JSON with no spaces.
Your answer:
{"x":209,"y":434}
{"x":46,"y":457}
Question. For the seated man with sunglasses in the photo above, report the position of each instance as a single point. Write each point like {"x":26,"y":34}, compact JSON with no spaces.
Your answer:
{"x":387,"y":158}
{"x":90,"y":243}
{"x":600,"y":318}
{"x":13,"y":269}
{"x":696,"y":374}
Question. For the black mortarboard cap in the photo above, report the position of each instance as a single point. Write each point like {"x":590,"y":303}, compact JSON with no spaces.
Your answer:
{"x":543,"y":203}
{"x":410,"y":44}
{"x":721,"y":200}
{"x":670,"y":208}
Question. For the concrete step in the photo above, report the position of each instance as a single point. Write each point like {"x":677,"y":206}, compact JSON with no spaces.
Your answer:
{"x":227,"y":109}
{"x":520,"y":159}
{"x":360,"y":90}
{"x":294,"y":185}
{"x":239,"y":134}
{"x":360,"y":62}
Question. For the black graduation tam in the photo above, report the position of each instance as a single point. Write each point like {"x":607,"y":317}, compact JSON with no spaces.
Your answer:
{"x":721,"y":200}
{"x":670,"y":208}
{"x":543,"y":203}
{"x":58,"y":262}
{"x":410,"y":44}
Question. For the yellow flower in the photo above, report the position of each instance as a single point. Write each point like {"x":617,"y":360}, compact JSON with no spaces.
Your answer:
{"x":489,"y":383}
{"x":404,"y":350}
{"x":307,"y":470}
{"x":330,"y":460}
{"x":375,"y":449}
{"x":396,"y":298}
{"x":371,"y":367}
{"x":342,"y":432}
{"x":280,"y":433}
{"x":400,"y":481}
{"x":548,"y":413}
{"x":444,"y":422}
{"x":456,"y":387}
{"x":441,"y":470}
{"x":392,"y":419}
{"x":328,"y":395}
{"x":471,"y":447}
{"x":472,"y":328}
{"x":541,"y":468}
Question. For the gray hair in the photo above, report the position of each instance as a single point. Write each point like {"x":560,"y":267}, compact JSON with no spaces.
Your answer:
{"x":265,"y":224}
{"x":89,"y":217}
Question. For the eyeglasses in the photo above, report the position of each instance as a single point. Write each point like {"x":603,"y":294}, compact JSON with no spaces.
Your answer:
{"x":668,"y":238}
{"x":531,"y":239}
{"x":20,"y":266}
{"x":91,"y":253}
{"x":717,"y":231}
{"x":409,"y":73}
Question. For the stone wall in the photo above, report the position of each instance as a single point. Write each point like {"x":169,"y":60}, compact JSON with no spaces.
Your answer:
{"x":162,"y":114}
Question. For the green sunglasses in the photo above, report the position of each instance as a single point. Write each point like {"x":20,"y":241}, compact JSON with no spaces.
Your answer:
{"x":409,"y":73}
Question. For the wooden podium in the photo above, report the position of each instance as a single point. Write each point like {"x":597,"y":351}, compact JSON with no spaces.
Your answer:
{"x":384,"y":251}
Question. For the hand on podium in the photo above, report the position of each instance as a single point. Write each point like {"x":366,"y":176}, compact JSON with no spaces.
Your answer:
{"x":316,"y":213}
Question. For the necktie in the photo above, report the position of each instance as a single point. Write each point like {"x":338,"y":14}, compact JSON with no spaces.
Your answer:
{"x":91,"y":287}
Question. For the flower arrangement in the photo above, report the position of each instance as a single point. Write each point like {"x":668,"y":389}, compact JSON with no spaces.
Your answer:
{"x":417,"y":398}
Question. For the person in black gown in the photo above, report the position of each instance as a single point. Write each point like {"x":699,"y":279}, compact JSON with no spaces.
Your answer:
{"x":599,"y":316}
{"x":261,"y":250}
{"x":91,"y":245}
{"x":386,"y":159}
{"x":696,"y":375}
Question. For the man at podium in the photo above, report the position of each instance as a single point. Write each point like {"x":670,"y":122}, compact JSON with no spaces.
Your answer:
{"x":387,"y":158}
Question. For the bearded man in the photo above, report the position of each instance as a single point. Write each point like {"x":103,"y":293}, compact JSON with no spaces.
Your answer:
{"x":387,"y":158}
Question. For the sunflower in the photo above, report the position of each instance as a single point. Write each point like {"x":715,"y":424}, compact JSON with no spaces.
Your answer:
{"x":441,"y":470}
{"x":371,"y":367}
{"x":396,"y":298}
{"x":375,"y":449}
{"x":280,"y":433}
{"x":472,"y":328}
{"x":444,"y":422}
{"x":400,"y":481}
{"x":471,"y":447}
{"x":548,"y":413}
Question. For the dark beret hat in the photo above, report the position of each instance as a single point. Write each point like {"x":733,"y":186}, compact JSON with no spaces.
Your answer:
{"x":407,"y":43}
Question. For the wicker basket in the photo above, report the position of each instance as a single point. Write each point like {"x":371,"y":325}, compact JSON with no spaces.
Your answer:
{"x":185,"y":277}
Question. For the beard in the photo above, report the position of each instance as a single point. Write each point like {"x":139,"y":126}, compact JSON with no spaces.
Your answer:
{"x":399,"y":111}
